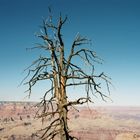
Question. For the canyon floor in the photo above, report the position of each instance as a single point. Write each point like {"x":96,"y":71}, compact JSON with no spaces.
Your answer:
{"x":18,"y":122}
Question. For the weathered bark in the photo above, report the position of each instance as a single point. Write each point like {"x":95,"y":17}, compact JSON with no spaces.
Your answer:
{"x":62,"y":73}
{"x":63,"y":114}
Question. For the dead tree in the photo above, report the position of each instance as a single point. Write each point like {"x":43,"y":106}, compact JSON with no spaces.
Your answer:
{"x":62,"y":71}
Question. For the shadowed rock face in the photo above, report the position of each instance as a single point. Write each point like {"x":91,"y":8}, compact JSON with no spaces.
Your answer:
{"x":14,"y":110}
{"x":100,"y":123}
{"x":20,"y":137}
{"x":100,"y":134}
{"x":84,"y":113}
{"x":128,"y":136}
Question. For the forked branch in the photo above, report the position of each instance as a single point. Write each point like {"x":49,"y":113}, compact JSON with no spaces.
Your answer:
{"x":63,"y":72}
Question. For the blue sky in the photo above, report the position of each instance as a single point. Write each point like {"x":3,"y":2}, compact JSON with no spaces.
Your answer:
{"x":113,"y":26}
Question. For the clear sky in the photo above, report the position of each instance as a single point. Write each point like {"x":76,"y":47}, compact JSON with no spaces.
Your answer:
{"x":113,"y":26}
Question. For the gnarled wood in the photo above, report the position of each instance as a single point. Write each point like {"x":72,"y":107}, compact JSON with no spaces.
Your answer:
{"x":62,"y":72}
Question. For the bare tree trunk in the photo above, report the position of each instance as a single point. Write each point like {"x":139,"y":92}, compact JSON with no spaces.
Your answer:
{"x":64,"y":126}
{"x":62,"y":73}
{"x":63,"y":115}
